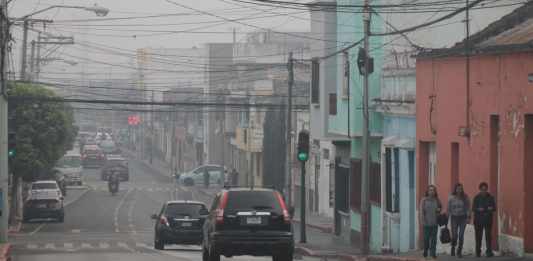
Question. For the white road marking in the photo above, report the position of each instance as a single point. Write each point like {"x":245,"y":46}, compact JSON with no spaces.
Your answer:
{"x":103,"y":245}
{"x":86,"y":245}
{"x":140,"y":245}
{"x":125,"y":246}
{"x":130,"y":216}
{"x":32,"y":246}
{"x":49,"y":246}
{"x":37,"y":229}
{"x":76,"y":231}
{"x":68,"y":245}
{"x":117,"y":210}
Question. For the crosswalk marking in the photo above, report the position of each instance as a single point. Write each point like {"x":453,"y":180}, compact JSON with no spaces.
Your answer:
{"x":150,"y":189}
{"x":86,"y":245}
{"x":69,"y":246}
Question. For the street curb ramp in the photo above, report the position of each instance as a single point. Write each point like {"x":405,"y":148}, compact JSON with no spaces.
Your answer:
{"x":304,"y":251}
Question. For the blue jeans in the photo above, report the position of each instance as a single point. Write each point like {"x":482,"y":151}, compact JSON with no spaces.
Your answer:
{"x":430,"y":240}
{"x":458,"y":231}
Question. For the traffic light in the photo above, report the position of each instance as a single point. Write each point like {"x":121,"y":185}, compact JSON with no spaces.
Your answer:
{"x":303,"y":145}
{"x":12,"y":144}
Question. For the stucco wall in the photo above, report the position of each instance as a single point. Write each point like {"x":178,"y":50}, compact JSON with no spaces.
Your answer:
{"x":499,"y":86}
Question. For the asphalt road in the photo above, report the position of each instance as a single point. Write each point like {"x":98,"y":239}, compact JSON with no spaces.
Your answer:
{"x":99,"y":226}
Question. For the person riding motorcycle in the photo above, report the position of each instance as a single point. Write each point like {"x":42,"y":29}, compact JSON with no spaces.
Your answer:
{"x":113,"y":181}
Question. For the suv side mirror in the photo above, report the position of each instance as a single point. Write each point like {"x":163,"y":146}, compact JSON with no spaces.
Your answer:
{"x":154,"y":216}
{"x":203,"y":212}
{"x":291,"y":212}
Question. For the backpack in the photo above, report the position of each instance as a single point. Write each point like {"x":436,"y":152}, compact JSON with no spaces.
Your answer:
{"x":445,"y":237}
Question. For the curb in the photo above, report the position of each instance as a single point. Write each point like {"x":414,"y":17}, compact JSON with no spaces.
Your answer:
{"x":5,"y":252}
{"x":304,"y":251}
{"x":324,"y":229}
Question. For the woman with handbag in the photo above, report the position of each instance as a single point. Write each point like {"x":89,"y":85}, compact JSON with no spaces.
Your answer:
{"x":459,"y":212}
{"x":430,"y":207}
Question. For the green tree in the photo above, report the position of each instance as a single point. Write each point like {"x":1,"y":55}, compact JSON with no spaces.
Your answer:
{"x":44,"y":131}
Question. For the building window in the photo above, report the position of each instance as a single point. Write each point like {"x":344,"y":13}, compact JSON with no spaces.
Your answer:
{"x":392,"y":180}
{"x":332,"y":104}
{"x":432,"y":179}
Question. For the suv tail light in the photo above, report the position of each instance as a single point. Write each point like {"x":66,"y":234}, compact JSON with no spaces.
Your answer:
{"x":286,"y":216}
{"x":164,"y":221}
{"x":220,"y":209}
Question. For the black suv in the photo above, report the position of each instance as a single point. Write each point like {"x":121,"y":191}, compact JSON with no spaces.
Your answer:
{"x":179,"y":222}
{"x":248,"y":221}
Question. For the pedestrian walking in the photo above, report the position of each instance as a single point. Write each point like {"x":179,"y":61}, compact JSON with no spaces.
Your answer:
{"x":430,"y":207}
{"x":459,"y":212}
{"x":234,"y":177}
{"x":207,"y":178}
{"x":483,"y":207}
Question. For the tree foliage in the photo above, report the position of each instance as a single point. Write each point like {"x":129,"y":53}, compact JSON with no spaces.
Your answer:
{"x":44,"y":131}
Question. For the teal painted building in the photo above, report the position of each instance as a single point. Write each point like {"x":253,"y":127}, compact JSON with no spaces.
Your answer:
{"x":347,"y":122}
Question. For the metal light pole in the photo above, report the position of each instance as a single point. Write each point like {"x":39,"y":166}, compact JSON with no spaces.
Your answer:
{"x":288,"y":165}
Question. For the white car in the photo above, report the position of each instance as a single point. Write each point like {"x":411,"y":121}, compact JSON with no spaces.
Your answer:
{"x":196,"y":176}
{"x":45,"y":189}
{"x":71,"y":168}
{"x":45,"y":201}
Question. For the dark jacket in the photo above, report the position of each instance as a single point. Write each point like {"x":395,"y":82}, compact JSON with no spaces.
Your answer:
{"x":484,"y":202}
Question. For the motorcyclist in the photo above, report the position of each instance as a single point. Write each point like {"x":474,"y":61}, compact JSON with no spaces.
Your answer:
{"x":113,"y":181}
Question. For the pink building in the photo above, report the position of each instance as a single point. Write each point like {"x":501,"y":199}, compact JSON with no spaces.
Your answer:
{"x":491,"y":139}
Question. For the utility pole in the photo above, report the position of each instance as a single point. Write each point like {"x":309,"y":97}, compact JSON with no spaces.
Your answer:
{"x":365,"y":204}
{"x":24,"y":49}
{"x":152,"y":130}
{"x":4,"y":175}
{"x":288,"y":161}
{"x":32,"y":60}
{"x":173,"y":149}
{"x":37,"y":62}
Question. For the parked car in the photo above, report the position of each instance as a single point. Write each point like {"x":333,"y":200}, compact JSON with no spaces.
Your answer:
{"x":248,"y":221}
{"x":45,"y":200}
{"x":116,"y":163}
{"x":179,"y":222}
{"x":196,"y":176}
{"x":70,"y":167}
{"x":92,"y":156}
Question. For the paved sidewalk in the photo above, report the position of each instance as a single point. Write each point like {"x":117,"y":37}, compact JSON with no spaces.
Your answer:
{"x":313,"y":220}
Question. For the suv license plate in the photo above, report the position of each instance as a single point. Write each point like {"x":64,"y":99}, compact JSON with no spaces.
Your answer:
{"x":186,"y":224}
{"x":253,"y":220}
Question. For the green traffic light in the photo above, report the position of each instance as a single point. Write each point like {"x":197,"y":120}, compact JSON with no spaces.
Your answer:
{"x":303,"y":156}
{"x":11,"y":153}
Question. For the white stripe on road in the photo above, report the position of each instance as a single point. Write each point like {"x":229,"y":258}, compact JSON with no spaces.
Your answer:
{"x":125,"y":246}
{"x":37,"y":229}
{"x":103,"y":245}
{"x":86,"y":245}
{"x":49,"y":246}
{"x":32,"y":246}
{"x":117,"y":210}
{"x":68,"y":245}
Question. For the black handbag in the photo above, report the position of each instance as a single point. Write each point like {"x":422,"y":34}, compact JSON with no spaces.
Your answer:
{"x":445,"y":236}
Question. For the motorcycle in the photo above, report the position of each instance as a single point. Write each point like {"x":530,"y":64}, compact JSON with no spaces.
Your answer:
{"x":113,"y":184}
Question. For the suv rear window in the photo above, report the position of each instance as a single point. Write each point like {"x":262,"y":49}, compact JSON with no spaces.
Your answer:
{"x":179,"y":210}
{"x":253,"y":200}
{"x":38,"y":186}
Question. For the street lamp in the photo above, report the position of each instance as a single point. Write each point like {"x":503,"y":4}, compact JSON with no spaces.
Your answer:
{"x":98,"y":10}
